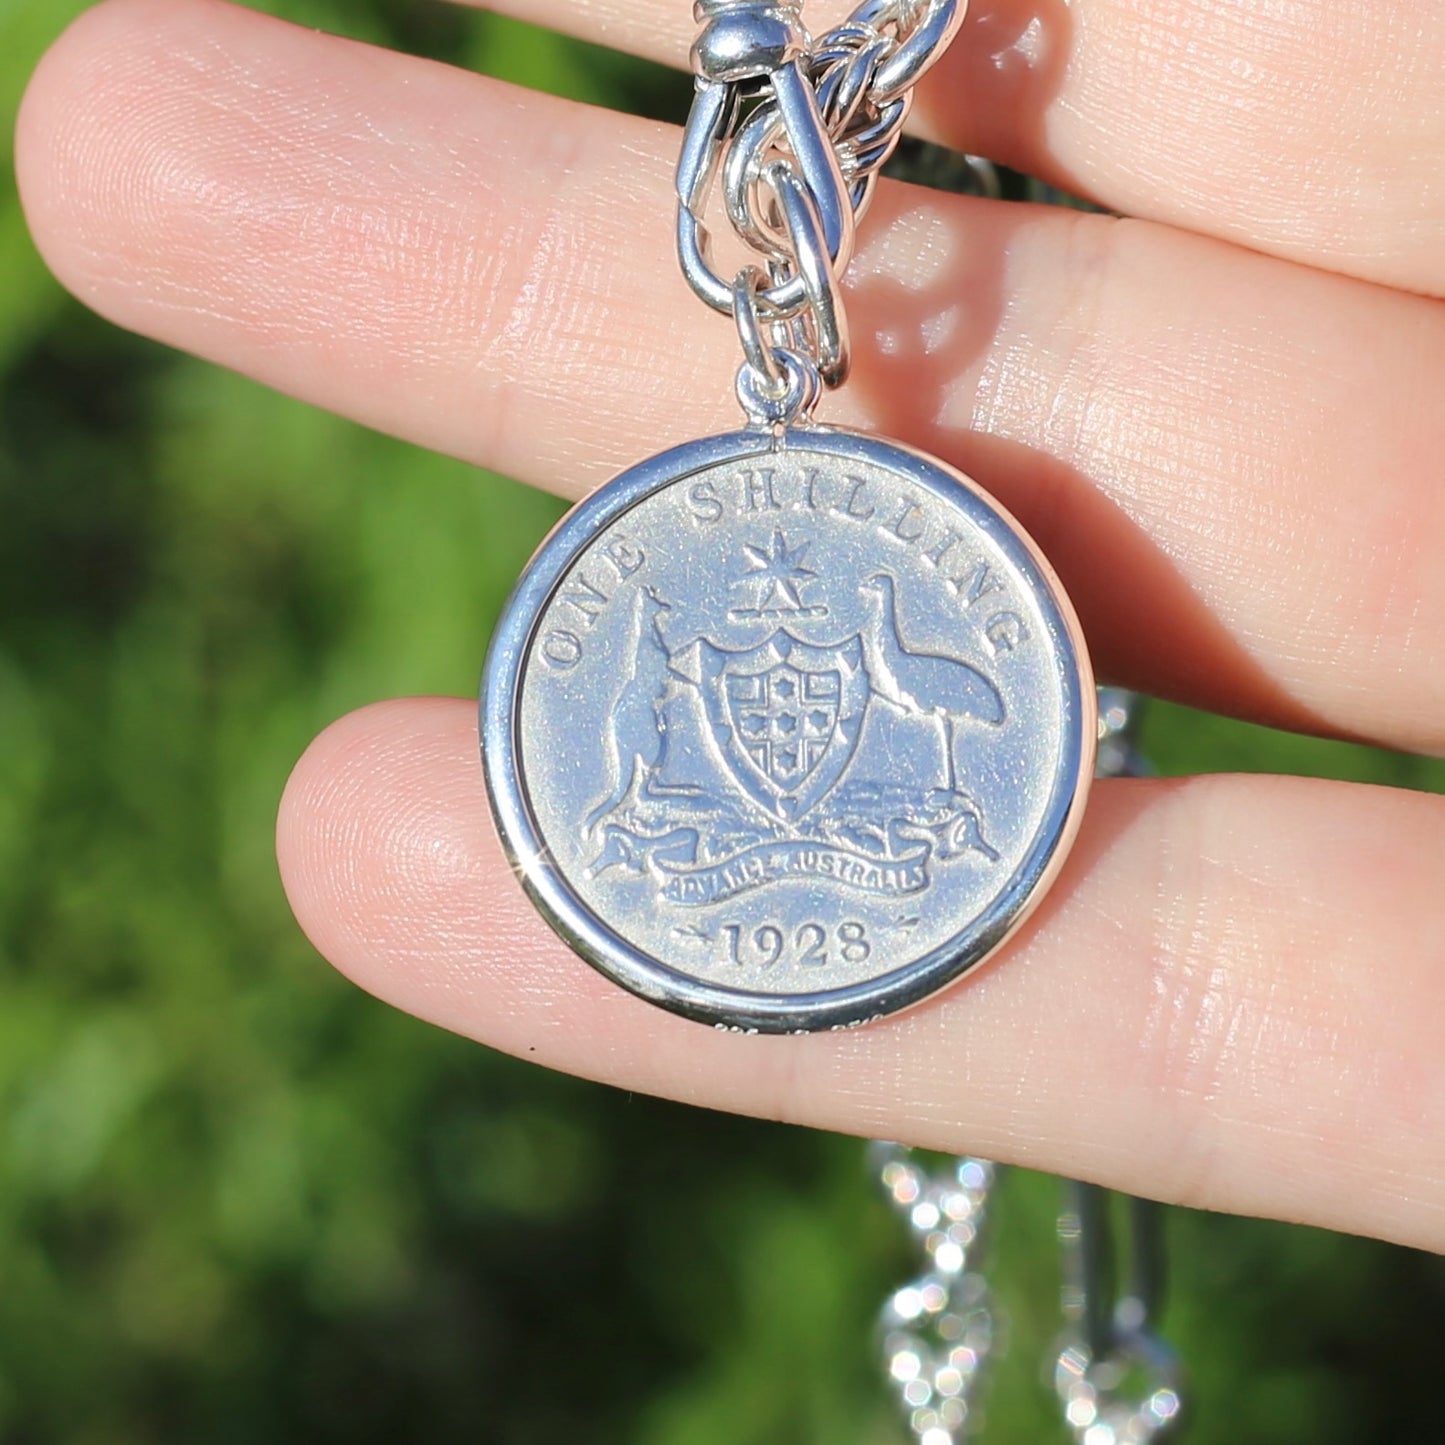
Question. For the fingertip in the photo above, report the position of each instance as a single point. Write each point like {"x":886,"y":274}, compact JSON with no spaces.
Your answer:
{"x":394,"y":871}
{"x":368,"y":834}
{"x":154,"y":150}
{"x":67,"y":130}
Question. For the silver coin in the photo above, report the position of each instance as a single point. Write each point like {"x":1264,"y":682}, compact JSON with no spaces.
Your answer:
{"x":787,"y":732}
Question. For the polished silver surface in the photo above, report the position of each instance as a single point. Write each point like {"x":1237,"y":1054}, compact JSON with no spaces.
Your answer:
{"x":786,"y":731}
{"x":831,"y":114}
{"x":830,"y":348}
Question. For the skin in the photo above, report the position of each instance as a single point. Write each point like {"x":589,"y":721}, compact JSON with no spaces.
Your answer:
{"x":1220,"y":418}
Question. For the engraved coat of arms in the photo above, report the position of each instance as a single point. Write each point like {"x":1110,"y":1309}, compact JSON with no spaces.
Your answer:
{"x":772,"y":733}
{"x":785,"y":715}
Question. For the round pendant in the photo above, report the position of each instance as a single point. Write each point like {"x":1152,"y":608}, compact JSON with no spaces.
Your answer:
{"x":785,"y":732}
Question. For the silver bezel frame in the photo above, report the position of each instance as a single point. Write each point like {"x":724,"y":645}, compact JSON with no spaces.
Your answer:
{"x":592,"y":938}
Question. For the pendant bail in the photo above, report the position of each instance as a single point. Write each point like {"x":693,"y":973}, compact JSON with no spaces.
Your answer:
{"x":791,"y":405}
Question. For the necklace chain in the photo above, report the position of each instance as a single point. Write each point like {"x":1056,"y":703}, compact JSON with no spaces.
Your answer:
{"x":793,"y":132}
{"x":796,"y":132}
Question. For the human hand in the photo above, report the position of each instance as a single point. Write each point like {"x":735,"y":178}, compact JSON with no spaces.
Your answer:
{"x":1220,"y":421}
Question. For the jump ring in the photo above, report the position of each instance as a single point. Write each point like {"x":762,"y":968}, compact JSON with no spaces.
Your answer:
{"x":799,"y":397}
{"x":761,"y":354}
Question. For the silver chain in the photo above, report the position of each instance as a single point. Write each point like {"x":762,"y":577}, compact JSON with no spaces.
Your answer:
{"x":938,"y":1330}
{"x":1117,"y":1380}
{"x":797,"y":130}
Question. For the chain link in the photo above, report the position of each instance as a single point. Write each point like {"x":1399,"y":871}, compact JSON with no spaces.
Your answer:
{"x":1116,"y":1378}
{"x":938,"y":1330}
{"x":797,"y":131}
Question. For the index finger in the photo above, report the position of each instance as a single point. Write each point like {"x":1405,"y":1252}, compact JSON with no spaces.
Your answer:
{"x":1199,"y":1011}
{"x":1313,"y":131}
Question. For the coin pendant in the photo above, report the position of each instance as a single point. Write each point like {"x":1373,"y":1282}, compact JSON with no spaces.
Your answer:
{"x":786,"y":732}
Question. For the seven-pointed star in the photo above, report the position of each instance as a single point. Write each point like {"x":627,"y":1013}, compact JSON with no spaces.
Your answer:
{"x":783,"y":571}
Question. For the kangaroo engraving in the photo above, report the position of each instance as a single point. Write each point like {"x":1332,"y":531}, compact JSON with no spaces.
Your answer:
{"x":635,"y":736}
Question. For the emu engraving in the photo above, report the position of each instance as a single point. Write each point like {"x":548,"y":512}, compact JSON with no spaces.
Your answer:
{"x":925,"y":684}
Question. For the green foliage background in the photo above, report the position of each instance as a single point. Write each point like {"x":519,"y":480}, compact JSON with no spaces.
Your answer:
{"x":241,"y":1202}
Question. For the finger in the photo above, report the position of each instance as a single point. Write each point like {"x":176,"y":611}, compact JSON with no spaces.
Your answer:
{"x":1233,"y":998}
{"x":1231,"y":460}
{"x":1314,"y":131}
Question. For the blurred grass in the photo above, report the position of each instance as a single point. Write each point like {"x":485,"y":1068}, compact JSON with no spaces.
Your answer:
{"x":238,"y":1200}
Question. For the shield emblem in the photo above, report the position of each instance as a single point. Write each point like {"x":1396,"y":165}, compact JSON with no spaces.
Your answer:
{"x":785,"y":716}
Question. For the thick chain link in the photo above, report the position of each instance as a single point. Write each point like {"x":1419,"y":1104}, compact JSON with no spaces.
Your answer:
{"x":938,"y":1330}
{"x":1117,"y":1380}
{"x":797,"y":131}
{"x":1116,"y":1377}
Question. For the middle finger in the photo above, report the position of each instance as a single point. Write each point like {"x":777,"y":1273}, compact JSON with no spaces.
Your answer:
{"x":1230,"y":459}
